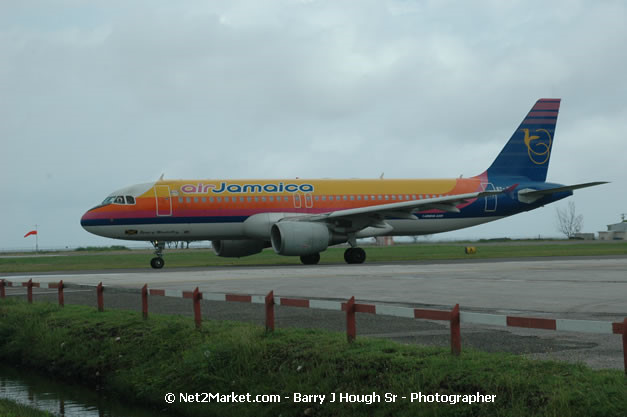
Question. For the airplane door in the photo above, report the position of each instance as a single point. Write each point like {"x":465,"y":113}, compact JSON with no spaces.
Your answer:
{"x":163,"y":200}
{"x":297,"y":203}
{"x":490,"y":201}
{"x":308,"y":201}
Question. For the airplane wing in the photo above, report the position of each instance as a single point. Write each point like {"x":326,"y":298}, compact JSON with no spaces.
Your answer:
{"x":352,"y":220}
{"x":531,"y":195}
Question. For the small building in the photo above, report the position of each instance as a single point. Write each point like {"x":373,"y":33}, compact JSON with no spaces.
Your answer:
{"x":384,"y":241}
{"x":616,"y":231}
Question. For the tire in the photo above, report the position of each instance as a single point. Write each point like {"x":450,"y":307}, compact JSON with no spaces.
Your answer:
{"x":157,"y":263}
{"x":359,"y":256}
{"x":355,"y":256}
{"x":310,"y":259}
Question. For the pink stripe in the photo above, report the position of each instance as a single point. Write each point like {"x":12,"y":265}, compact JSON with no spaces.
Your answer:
{"x":546,"y":105}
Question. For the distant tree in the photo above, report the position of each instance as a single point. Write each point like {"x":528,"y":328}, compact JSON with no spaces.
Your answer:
{"x":568,"y":221}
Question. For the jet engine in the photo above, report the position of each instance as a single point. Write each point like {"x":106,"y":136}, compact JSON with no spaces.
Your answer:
{"x":237,"y":248}
{"x":299,"y":238}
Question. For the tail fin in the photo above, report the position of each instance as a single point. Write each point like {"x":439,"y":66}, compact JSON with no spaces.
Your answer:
{"x":528,"y":151}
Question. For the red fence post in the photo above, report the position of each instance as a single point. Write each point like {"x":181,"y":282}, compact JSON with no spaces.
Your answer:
{"x":29,"y":290}
{"x":61,"y":298}
{"x":2,"y":293}
{"x":196,"y":296}
{"x":351,"y":330}
{"x":270,"y":312}
{"x":145,"y":301}
{"x":456,"y":335}
{"x":99,"y":291}
{"x":625,"y":343}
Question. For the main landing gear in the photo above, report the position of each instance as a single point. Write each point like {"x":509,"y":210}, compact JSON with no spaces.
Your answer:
{"x":158,"y":262}
{"x":355,"y":256}
{"x":310,"y":259}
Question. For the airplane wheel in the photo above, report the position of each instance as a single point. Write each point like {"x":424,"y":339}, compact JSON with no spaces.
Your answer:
{"x":157,"y":263}
{"x":310,"y":259}
{"x":355,"y":256}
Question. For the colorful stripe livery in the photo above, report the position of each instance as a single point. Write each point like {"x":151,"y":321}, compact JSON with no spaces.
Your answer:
{"x":303,"y":217}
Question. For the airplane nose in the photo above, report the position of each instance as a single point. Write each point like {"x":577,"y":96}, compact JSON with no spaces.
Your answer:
{"x":84,"y":220}
{"x":87,"y":220}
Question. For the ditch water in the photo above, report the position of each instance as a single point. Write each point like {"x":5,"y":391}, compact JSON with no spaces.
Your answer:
{"x":62,"y":399}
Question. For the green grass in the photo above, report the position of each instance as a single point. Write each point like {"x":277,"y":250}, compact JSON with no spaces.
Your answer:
{"x":142,"y":360}
{"x":10,"y":408}
{"x":206,"y":257}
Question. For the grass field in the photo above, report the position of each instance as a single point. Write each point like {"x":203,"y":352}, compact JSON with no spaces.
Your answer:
{"x":141,"y":360}
{"x":95,"y":260}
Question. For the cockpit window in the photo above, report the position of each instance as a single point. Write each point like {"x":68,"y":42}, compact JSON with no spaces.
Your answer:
{"x":118,"y":199}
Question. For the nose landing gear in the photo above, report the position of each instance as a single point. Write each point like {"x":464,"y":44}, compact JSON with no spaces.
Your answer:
{"x":158,"y":262}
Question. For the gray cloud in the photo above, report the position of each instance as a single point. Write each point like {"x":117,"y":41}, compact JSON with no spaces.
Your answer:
{"x":99,"y":95}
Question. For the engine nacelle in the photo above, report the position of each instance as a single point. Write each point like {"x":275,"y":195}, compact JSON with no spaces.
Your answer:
{"x":237,"y":248}
{"x":299,"y":238}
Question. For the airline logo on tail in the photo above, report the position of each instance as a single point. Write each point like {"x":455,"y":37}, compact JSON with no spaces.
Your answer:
{"x":538,"y":146}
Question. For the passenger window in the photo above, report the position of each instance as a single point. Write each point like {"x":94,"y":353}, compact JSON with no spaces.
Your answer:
{"x":286,"y":199}
{"x":366,"y":198}
{"x":211,"y":199}
{"x":241,"y":199}
{"x":249,"y":199}
{"x":130,"y":199}
{"x":316,"y":198}
{"x":204,"y":199}
{"x":393,"y":197}
{"x":219,"y":199}
{"x":271,"y":198}
{"x":324,"y":198}
{"x":344,"y":198}
{"x":195,"y":199}
{"x":180,"y":199}
{"x":188,"y":199}
{"x":256,"y":199}
{"x":263,"y":199}
{"x":226,"y":199}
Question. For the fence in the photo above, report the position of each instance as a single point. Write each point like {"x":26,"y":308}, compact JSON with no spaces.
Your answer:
{"x":350,"y":307}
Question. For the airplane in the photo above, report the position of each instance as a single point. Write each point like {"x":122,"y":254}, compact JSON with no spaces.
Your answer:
{"x":298,"y":217}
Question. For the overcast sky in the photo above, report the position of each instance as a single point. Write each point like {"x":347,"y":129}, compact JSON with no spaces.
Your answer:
{"x":97,"y":95}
